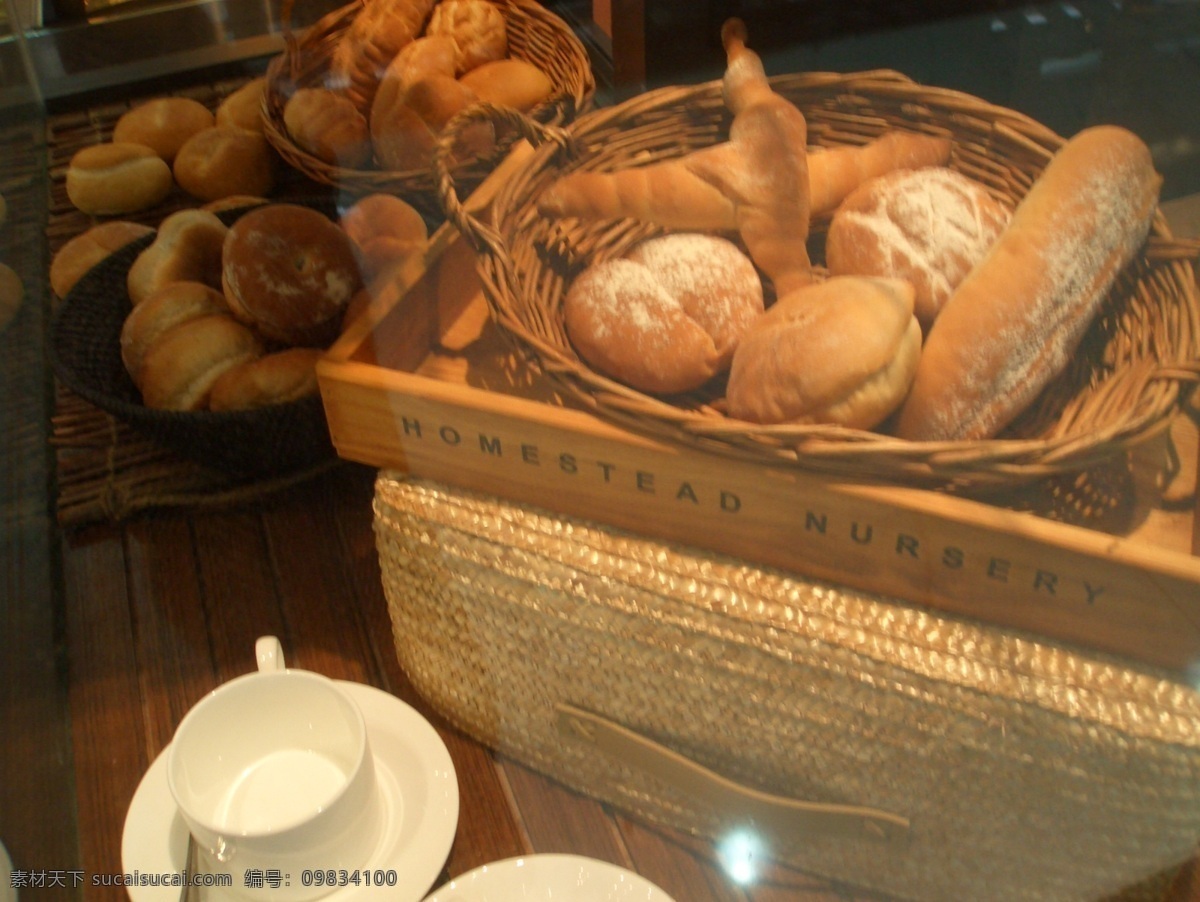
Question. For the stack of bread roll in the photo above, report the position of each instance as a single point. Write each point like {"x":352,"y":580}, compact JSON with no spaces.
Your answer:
{"x":176,"y":141}
{"x":399,"y":73}
{"x":941,"y":312}
{"x":227,"y":317}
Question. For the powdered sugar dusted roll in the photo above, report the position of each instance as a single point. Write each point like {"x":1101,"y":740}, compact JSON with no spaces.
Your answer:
{"x":1012,"y":325}
{"x":668,"y":316}
{"x":929,"y":226}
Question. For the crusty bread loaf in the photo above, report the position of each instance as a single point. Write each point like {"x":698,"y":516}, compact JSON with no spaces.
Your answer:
{"x":117,"y":178}
{"x":274,"y":378}
{"x":329,"y":126}
{"x":380,"y":30}
{"x":187,"y":248}
{"x":929,"y":226}
{"x":163,"y":124}
{"x":667,"y":318}
{"x":477,"y":27}
{"x":224,"y":161}
{"x":834,"y":172}
{"x":1012,"y":325}
{"x":85,"y":250}
{"x":171,"y":305}
{"x":509,"y":82}
{"x":842,"y":351}
{"x":290,"y":272}
{"x":180,"y":367}
{"x":385,"y":230}
{"x":244,"y":107}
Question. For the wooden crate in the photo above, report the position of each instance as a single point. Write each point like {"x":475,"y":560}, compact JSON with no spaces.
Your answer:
{"x":479,"y":418}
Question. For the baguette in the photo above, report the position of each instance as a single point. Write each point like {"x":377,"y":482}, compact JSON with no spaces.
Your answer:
{"x":755,"y":183}
{"x":673,"y":195}
{"x":834,"y":173}
{"x":1014,"y":322}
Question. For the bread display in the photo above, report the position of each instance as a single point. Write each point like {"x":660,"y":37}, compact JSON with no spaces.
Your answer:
{"x":841,"y":351}
{"x":224,"y":161}
{"x":274,"y":378}
{"x":163,"y":124}
{"x":667,"y":317}
{"x":186,"y":248}
{"x":1014,"y":322}
{"x":929,"y":226}
{"x":85,"y":250}
{"x":290,"y":272}
{"x":178,"y":370}
{"x":114,"y":179}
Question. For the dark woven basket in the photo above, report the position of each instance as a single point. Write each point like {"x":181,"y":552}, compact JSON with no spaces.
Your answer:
{"x":534,"y":34}
{"x":1130,"y":376}
{"x":85,"y":354}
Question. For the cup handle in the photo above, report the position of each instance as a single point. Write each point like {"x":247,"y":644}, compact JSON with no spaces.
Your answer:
{"x":269,"y":652}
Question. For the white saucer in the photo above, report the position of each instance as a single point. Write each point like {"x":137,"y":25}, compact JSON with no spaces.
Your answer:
{"x":420,"y":791}
{"x":549,"y":878}
{"x":8,"y":892}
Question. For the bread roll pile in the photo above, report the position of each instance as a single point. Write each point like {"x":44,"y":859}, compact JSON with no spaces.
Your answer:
{"x":941,"y":313}
{"x":399,"y":73}
{"x":169,"y":141}
{"x":226,"y":317}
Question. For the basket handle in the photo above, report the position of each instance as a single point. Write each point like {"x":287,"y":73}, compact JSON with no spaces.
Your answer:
{"x":776,"y":814}
{"x":482,"y":236}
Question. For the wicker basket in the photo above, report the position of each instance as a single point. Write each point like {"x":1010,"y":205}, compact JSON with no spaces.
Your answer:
{"x":534,"y":35}
{"x":1132,"y":373}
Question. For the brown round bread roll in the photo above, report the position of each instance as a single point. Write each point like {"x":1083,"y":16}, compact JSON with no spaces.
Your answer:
{"x":329,"y":126}
{"x":842,"y":351}
{"x":668,"y":317}
{"x":85,"y":250}
{"x":509,"y":82}
{"x":187,"y":248}
{"x":180,"y":367}
{"x":171,"y":305}
{"x":223,"y":161}
{"x":117,"y":178}
{"x":244,"y":107}
{"x":274,"y":378}
{"x":385,"y":230}
{"x":290,"y":272}
{"x":477,"y":27}
{"x":163,"y":124}
{"x":928,"y":226}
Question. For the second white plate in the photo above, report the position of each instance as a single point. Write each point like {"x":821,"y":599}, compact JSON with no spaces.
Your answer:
{"x":549,"y":878}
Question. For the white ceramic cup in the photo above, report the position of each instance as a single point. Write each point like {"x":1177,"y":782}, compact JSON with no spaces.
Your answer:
{"x":273,"y":774}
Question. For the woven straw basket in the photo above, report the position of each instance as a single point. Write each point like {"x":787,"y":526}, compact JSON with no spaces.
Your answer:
{"x":1130,"y":376}
{"x":534,"y":35}
{"x":863,"y":740}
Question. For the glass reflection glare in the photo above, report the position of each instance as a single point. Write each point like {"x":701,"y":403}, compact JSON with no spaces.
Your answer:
{"x":740,"y":853}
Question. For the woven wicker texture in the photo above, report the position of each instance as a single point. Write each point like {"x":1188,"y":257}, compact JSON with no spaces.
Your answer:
{"x":1128,"y":378}
{"x":534,"y":35}
{"x":1027,"y":770}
